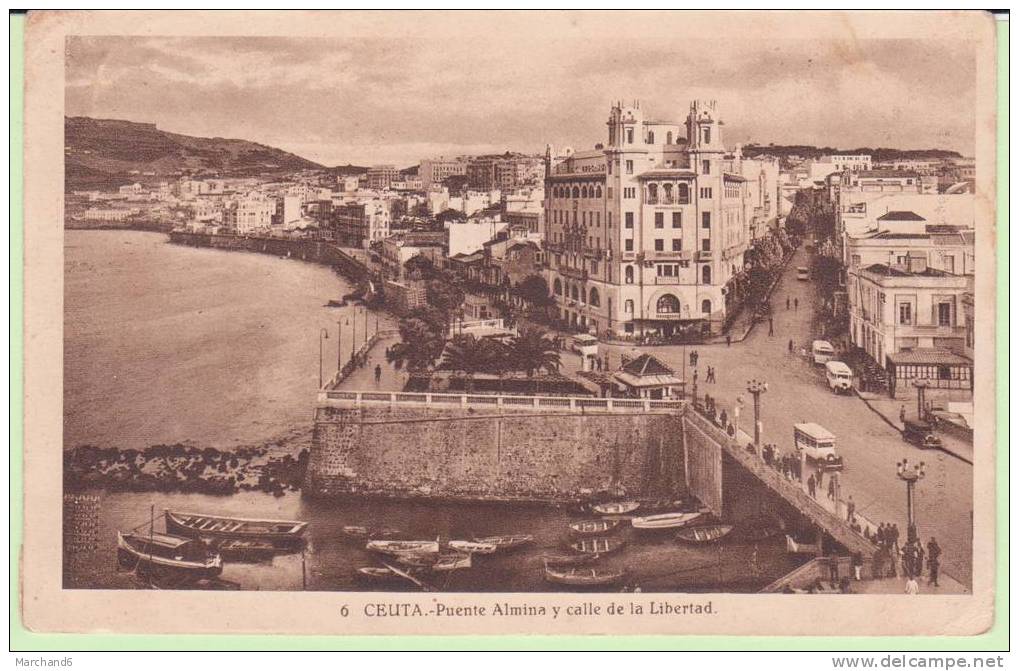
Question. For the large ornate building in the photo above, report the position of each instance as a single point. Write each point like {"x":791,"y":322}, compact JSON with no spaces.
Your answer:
{"x":644,"y":233}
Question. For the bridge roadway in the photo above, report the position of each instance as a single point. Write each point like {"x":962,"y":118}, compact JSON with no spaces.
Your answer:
{"x":792,"y":492}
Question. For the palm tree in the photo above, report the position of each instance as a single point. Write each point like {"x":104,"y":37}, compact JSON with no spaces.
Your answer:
{"x":470,"y":355}
{"x":532,"y":350}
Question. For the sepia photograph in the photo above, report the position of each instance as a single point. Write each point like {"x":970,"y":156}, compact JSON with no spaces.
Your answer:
{"x":430,"y":305}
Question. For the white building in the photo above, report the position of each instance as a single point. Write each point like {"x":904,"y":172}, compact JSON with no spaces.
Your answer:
{"x":852,"y":162}
{"x":465,"y":237}
{"x":644,"y":234}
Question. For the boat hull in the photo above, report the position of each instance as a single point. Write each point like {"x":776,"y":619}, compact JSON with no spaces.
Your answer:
{"x":215,"y":526}
{"x":128,"y":555}
{"x":664,"y":522}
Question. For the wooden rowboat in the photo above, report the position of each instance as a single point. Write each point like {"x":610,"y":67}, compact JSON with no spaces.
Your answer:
{"x":616,"y":508}
{"x":583,"y":577}
{"x":704,"y":534}
{"x":599,"y":546}
{"x":369,"y":533}
{"x":664,"y":521}
{"x":446,"y":561}
{"x":163,"y":551}
{"x":403,"y":547}
{"x":473,"y":547}
{"x":569,"y":559}
{"x":216,"y":526}
{"x":246,"y":550}
{"x":594,"y":527}
{"x":503,"y":543}
{"x":379,"y":574}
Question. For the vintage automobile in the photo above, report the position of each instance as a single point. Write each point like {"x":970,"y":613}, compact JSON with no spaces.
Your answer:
{"x":818,"y":445}
{"x":921,"y":434}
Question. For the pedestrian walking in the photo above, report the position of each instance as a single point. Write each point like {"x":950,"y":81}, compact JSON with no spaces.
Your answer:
{"x":912,"y":586}
{"x":790,"y":345}
{"x":902,"y":413}
{"x":895,"y":537}
{"x":919,"y":559}
{"x":693,"y":357}
{"x":812,"y":487}
{"x":378,"y":374}
{"x":786,"y":302}
{"x":933,"y":560}
{"x":796,"y":304}
{"x":850,"y":509}
{"x":728,"y":339}
{"x":831,"y":489}
{"x":820,"y":479}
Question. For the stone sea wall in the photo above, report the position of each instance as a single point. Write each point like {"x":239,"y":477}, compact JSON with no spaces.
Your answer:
{"x":493,"y":454}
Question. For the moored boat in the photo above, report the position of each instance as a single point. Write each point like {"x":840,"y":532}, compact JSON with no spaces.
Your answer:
{"x":503,"y":543}
{"x":403,"y":547}
{"x":369,"y":533}
{"x":574,"y":559}
{"x":593,"y":527}
{"x":616,"y":507}
{"x":378,"y":573}
{"x":599,"y":546}
{"x":708,"y":533}
{"x":246,"y":550}
{"x":583,"y":577}
{"x":217,"y":526}
{"x":473,"y":547}
{"x":452,"y":561}
{"x":164,"y":551}
{"x":443,"y":561}
{"x":664,"y":521}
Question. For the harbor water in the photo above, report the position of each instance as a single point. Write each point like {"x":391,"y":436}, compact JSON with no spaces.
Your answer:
{"x":169,"y":344}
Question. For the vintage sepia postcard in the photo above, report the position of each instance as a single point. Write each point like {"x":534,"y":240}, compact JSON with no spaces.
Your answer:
{"x":533,"y":322}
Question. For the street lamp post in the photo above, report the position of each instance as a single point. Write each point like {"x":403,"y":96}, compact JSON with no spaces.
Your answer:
{"x":921,"y":396}
{"x":910,"y":475}
{"x":339,"y":345}
{"x":323,"y":334}
{"x":755,"y":388}
{"x":353,"y":335}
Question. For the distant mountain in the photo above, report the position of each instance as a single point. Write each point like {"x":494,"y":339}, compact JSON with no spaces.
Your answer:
{"x":878,"y":155}
{"x":348,"y":169}
{"x":109,"y":152}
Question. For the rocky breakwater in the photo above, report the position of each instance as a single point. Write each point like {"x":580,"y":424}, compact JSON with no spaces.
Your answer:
{"x":184,"y":468}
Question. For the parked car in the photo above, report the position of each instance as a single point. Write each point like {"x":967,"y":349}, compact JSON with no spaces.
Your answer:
{"x":803,"y":273}
{"x":921,"y":434}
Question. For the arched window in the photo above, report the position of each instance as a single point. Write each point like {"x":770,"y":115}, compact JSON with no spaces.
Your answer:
{"x":629,"y":274}
{"x":683,"y":192}
{"x":576,"y":192}
{"x":651,"y":137}
{"x":583,"y":191}
{"x":574,"y":294}
{"x":706,"y":275}
{"x":597,"y":192}
{"x":628,"y":307}
{"x":583,"y":294}
{"x":668,"y":137}
{"x":594,"y":299}
{"x":652,"y":193}
{"x":668,"y":304}
{"x":706,"y":306}
{"x":557,"y":286}
{"x":667,"y":195}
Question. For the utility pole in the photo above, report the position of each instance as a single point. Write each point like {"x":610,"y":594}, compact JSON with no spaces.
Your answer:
{"x":756,"y":388}
{"x":910,"y":475}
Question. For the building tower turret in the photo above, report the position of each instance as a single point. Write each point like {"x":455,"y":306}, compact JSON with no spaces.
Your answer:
{"x":704,"y":127}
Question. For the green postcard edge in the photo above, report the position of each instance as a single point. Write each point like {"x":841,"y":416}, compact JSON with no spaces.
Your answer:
{"x":995,"y":639}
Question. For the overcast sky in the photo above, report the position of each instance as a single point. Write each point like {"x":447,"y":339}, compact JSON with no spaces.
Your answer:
{"x":402,"y":98}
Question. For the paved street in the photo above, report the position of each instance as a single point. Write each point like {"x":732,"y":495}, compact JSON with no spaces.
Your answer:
{"x":798,"y":393}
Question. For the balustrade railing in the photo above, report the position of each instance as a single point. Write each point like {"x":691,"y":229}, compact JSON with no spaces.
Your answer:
{"x":326,"y":398}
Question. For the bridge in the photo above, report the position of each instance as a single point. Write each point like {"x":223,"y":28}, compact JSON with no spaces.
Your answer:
{"x":544,"y":448}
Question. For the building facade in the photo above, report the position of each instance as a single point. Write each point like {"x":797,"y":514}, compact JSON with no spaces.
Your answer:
{"x":360,"y":224}
{"x":434,"y":171}
{"x":643,"y":234}
{"x":381,"y":176}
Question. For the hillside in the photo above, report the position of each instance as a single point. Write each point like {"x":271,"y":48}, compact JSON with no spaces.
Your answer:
{"x":878,"y":155}
{"x":109,"y":152}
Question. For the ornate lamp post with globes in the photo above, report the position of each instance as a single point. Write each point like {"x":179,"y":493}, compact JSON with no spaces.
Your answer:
{"x":910,"y":475}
